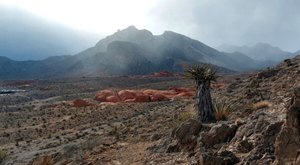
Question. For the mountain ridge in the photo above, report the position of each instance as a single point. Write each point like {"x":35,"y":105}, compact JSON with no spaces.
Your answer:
{"x":129,"y":52}
{"x":259,"y":51}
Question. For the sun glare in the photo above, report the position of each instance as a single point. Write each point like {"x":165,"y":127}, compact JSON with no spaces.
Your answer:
{"x":103,"y":16}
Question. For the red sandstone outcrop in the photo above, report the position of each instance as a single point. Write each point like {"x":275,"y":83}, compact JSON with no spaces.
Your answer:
{"x":146,"y":95}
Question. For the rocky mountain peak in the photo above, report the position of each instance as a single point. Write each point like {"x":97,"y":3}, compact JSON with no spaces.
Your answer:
{"x":130,"y":34}
{"x":130,"y":28}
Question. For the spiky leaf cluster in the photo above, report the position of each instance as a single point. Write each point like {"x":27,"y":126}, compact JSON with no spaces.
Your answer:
{"x":201,"y":73}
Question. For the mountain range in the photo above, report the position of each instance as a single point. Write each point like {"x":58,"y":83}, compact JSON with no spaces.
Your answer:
{"x":129,"y":52}
{"x":260,"y":51}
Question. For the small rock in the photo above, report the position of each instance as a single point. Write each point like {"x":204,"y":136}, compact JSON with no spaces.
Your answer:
{"x":155,"y":137}
{"x":218,"y":134}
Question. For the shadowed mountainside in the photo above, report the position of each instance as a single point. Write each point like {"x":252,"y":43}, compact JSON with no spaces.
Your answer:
{"x":126,"y":52}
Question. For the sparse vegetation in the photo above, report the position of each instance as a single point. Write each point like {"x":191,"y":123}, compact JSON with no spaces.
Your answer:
{"x":47,"y":160}
{"x":222,"y":110}
{"x":261,"y":104}
{"x":111,"y":132}
{"x":3,"y":156}
{"x":182,"y":117}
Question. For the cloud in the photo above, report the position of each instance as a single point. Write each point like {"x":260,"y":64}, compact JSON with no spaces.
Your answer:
{"x":24,"y":36}
{"x":232,"y":21}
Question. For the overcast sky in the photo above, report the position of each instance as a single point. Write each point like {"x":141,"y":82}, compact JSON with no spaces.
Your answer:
{"x":213,"y":22}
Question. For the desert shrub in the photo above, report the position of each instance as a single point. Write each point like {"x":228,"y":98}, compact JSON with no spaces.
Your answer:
{"x":91,"y":143}
{"x":3,"y":156}
{"x":288,"y":62}
{"x":43,"y":160}
{"x":182,"y":117}
{"x":261,"y":104}
{"x":47,"y":160}
{"x":70,"y":150}
{"x":222,"y":110}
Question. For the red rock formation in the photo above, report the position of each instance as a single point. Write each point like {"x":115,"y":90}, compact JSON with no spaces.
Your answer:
{"x":158,"y":97}
{"x":102,"y":95}
{"x":113,"y":99}
{"x":146,"y":95}
{"x":218,"y":85}
{"x":163,"y":74}
{"x":80,"y":103}
{"x":127,"y":94}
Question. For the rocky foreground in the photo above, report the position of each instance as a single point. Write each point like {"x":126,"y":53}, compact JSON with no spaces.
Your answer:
{"x":261,"y":127}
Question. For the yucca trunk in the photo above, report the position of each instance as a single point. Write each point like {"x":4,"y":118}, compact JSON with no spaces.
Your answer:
{"x":204,"y":102}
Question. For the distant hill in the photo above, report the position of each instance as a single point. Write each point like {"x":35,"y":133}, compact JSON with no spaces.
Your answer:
{"x":260,"y":51}
{"x":127,"y":52}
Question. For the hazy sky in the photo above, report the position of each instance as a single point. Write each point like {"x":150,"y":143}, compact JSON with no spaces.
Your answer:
{"x":213,"y":22}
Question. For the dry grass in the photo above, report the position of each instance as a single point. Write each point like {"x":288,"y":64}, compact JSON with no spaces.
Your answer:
{"x":222,"y":111}
{"x":44,"y":160}
{"x":261,"y":104}
{"x":47,"y":160}
{"x":183,"y":117}
{"x":3,"y":156}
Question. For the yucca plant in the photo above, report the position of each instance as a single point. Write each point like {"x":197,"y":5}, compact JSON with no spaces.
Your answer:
{"x":203,"y":75}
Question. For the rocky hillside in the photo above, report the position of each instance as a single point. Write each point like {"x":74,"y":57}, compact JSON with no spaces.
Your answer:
{"x":129,"y":52}
{"x":262,"y":129}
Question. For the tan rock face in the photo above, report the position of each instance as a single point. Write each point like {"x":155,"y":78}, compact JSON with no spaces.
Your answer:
{"x":287,"y":146}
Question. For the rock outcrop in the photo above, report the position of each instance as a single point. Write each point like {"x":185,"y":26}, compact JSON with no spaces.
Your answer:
{"x":146,"y":95}
{"x":186,"y":135}
{"x":81,"y":103}
{"x":288,"y":141}
{"x":266,"y":135}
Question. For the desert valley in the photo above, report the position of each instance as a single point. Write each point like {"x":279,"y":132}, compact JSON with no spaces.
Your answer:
{"x":63,"y":122}
{"x":135,"y":97}
{"x":150,"y":119}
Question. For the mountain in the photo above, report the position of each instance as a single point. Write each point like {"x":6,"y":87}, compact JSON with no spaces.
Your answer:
{"x":24,"y":36}
{"x":260,"y":51}
{"x":172,"y":49}
{"x":129,"y":52}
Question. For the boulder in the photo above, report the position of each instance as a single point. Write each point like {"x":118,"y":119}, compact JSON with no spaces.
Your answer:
{"x":187,"y":133}
{"x":287,"y":145}
{"x":102,"y":95}
{"x":223,"y":158}
{"x":113,"y":99}
{"x":80,"y":103}
{"x":219,"y":133}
